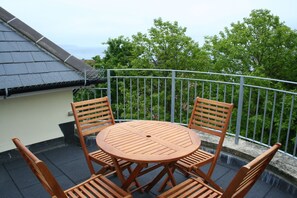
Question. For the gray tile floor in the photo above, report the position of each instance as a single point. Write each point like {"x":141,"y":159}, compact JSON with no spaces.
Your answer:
{"x":68,"y":165}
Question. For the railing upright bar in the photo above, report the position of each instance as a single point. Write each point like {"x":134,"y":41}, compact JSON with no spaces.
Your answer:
{"x":188,"y":101}
{"x":239,"y":110}
{"x":217,"y":96}
{"x":173,"y":76}
{"x":289,"y":124}
{"x":158,"y":98}
{"x":248,"y":114}
{"x":124,"y":96}
{"x":144,"y":99}
{"x":138,"y":109}
{"x":151,"y":99}
{"x":272,"y":118}
{"x":257,"y":111}
{"x":225,"y":90}
{"x":264,"y":116}
{"x":131,"y":112}
{"x":108,"y":86}
{"x":281,"y":118}
{"x":202,"y":95}
{"x":181,"y":102}
{"x":165,"y":96}
{"x":117,"y":86}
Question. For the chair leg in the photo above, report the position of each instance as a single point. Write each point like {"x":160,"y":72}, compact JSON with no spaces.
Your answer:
{"x":207,"y":179}
{"x":211,"y":169}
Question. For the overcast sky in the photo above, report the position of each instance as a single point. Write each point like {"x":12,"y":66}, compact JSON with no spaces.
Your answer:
{"x":81,"y":26}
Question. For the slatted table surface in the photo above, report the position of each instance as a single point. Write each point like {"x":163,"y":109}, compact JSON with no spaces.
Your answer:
{"x":148,"y":141}
{"x":145,"y":142}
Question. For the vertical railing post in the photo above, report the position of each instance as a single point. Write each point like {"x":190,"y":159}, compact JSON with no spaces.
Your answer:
{"x":108,"y":85}
{"x":172,"y":96}
{"x":239,"y":110}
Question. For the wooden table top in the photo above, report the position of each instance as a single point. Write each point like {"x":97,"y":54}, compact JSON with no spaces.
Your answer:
{"x":148,"y":141}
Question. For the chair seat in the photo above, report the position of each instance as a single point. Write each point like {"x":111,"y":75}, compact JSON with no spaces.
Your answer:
{"x":199,"y":157}
{"x":101,"y":157}
{"x":104,"y":159}
{"x":97,"y":186}
{"x":193,"y":187}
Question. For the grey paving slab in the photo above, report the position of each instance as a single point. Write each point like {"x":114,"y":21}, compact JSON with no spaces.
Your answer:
{"x":276,"y":193}
{"x":79,"y":166}
{"x":260,"y":189}
{"x":36,"y":191}
{"x":23,"y":177}
{"x":64,"y":155}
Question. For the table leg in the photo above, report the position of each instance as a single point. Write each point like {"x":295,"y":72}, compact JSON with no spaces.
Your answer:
{"x":132,"y":177}
{"x":118,"y":169}
{"x":167,"y":169}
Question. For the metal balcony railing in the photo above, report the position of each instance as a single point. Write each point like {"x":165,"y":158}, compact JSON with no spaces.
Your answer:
{"x":265,"y":110}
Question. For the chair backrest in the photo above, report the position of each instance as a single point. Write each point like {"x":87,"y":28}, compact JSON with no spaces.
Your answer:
{"x":40,"y":170}
{"x":210,"y":116}
{"x":248,"y":174}
{"x":91,"y":116}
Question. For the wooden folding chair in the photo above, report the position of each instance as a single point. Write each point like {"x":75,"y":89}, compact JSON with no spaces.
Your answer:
{"x":96,"y":186}
{"x":238,"y":187}
{"x":211,"y":117}
{"x":91,"y":116}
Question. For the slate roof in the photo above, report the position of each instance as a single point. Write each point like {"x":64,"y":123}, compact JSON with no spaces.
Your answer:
{"x":31,"y":62}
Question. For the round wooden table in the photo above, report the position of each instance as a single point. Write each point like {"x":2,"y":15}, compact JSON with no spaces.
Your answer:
{"x":145,"y":142}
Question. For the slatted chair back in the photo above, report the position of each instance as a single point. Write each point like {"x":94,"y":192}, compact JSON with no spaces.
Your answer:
{"x":248,"y":174}
{"x":40,"y":170}
{"x":91,"y":116}
{"x":210,"y":116}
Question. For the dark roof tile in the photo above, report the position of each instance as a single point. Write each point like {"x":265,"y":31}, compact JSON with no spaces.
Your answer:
{"x":51,"y":77}
{"x":2,"y":38}
{"x":12,"y":36}
{"x":22,"y":57}
{"x":27,"y":46}
{"x":56,"y":66}
{"x":5,"y":58}
{"x":10,"y":82}
{"x":31,"y":79}
{"x":41,"y":56}
{"x":11,"y":69}
{"x":39,"y":67}
{"x":67,"y":75}
{"x":9,"y":46}
{"x":2,"y":70}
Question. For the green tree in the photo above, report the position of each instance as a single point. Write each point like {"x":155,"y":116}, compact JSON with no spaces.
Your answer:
{"x":166,"y":46}
{"x":260,"y":45}
{"x":119,"y":53}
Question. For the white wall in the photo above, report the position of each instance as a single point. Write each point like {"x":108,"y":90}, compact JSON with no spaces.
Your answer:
{"x":34,"y":118}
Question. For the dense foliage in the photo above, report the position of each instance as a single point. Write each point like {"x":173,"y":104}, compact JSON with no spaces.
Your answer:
{"x":260,"y":45}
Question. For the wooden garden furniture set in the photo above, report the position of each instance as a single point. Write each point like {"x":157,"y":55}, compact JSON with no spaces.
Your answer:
{"x":143,"y":146}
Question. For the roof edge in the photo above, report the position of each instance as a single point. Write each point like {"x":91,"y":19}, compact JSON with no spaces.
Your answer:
{"x":45,"y":43}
